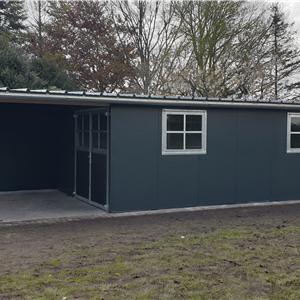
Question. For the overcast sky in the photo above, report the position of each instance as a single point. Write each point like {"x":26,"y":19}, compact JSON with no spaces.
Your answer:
{"x":293,"y":10}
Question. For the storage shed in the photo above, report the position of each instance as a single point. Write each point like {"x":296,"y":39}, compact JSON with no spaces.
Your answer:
{"x":126,"y":152}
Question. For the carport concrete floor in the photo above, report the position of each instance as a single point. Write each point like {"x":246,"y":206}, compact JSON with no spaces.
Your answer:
{"x":39,"y":205}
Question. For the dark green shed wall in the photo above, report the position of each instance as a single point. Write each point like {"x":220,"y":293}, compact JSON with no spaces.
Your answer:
{"x":37,"y":147}
{"x":246,"y":161}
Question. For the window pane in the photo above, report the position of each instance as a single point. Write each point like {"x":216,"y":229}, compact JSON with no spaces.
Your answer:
{"x":193,"y":141}
{"x":193,"y":122}
{"x":79,"y":138}
{"x":103,"y":139}
{"x":103,"y":121}
{"x":79,"y":122}
{"x":295,"y":124}
{"x":295,"y":141}
{"x":95,"y":140}
{"x":86,"y":139}
{"x":175,"y":141}
{"x":175,"y":122}
{"x":86,"y":121}
{"x":95,"y":124}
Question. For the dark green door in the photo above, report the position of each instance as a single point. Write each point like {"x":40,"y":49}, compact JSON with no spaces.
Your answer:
{"x":91,"y":156}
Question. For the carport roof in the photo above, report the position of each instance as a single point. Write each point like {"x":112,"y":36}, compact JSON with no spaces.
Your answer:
{"x":61,"y":97}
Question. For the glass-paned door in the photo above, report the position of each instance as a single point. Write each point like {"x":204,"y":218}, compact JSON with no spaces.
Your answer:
{"x":91,"y":156}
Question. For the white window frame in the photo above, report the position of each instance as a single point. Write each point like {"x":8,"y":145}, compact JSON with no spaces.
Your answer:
{"x":289,"y":132}
{"x":186,"y":112}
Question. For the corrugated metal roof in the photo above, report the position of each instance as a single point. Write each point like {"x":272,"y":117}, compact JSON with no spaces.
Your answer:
{"x":112,"y":95}
{"x":25,"y":95}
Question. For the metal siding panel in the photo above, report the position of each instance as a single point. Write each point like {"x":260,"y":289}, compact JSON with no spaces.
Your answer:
{"x":286,"y":166}
{"x":246,"y":161}
{"x":177,"y":181}
{"x":217,"y":169}
{"x":254,"y":156}
{"x":209,"y":179}
{"x":134,"y":147}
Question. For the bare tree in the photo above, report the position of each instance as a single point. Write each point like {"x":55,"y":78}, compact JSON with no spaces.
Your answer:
{"x":36,"y":35}
{"x":226,"y":41}
{"x":154,"y":32}
{"x":83,"y":32}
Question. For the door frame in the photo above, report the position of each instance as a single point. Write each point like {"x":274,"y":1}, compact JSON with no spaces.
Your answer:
{"x":90,"y":111}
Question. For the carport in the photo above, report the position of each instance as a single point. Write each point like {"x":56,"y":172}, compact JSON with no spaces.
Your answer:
{"x":127,"y":152}
{"x":53,"y":153}
{"x":37,"y":146}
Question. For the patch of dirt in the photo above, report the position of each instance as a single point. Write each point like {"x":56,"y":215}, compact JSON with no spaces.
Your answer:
{"x":26,"y":245}
{"x":80,"y":245}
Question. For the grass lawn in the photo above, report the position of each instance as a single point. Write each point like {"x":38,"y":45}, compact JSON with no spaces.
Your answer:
{"x":236,"y":254}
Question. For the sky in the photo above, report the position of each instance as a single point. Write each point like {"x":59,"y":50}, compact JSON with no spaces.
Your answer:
{"x":293,"y":10}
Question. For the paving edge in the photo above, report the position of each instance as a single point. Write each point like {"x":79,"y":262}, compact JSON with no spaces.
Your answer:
{"x":146,"y":213}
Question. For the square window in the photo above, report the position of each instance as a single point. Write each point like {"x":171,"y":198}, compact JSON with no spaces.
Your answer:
{"x":183,"y":132}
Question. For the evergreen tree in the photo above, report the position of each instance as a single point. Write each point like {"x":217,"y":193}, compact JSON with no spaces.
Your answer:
{"x":19,"y":70}
{"x":51,"y":69}
{"x":47,"y":64}
{"x":12,"y":17}
{"x":285,"y":54}
{"x":15,"y":69}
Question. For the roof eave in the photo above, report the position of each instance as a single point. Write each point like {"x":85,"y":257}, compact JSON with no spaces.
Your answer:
{"x":86,"y":100}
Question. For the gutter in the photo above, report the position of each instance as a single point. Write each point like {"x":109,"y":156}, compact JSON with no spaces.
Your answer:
{"x":86,"y":100}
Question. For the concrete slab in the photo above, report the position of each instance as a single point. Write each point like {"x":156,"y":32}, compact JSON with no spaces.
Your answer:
{"x":37,"y":205}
